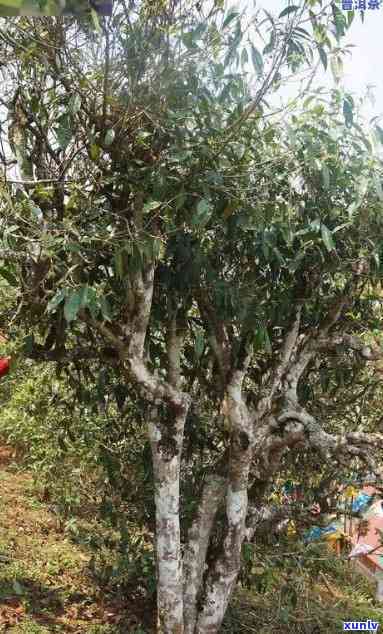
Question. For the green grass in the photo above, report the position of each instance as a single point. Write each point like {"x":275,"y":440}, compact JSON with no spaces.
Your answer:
{"x":46,"y":585}
{"x":308,"y":594}
{"x":45,"y":580}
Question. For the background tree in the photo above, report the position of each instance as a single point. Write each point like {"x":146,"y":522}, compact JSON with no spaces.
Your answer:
{"x":169,"y":226}
{"x":54,"y":7}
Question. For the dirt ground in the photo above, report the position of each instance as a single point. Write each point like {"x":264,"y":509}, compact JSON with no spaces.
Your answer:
{"x":45,"y":582}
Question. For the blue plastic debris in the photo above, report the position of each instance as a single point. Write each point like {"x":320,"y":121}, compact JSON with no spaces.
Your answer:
{"x":316,"y":532}
{"x":361,"y":502}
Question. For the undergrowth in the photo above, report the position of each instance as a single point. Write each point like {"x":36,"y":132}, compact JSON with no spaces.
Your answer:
{"x":305,"y":590}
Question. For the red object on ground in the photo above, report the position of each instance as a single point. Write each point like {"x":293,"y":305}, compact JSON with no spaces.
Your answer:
{"x":4,"y":366}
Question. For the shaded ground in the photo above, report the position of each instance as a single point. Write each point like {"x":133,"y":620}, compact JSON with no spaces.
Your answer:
{"x":45,"y":585}
{"x":313,"y":592}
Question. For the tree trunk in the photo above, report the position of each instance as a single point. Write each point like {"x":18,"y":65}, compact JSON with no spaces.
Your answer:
{"x":198,"y":542}
{"x":166,"y":454}
{"x":223,"y":575}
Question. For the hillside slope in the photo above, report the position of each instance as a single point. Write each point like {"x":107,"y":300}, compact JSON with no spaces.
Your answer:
{"x":46,"y":586}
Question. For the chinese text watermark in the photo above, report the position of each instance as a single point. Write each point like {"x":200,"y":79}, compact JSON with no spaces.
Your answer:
{"x":361,"y":5}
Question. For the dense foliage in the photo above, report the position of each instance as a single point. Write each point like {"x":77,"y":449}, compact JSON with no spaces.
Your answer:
{"x":204,"y":269}
{"x":55,"y":7}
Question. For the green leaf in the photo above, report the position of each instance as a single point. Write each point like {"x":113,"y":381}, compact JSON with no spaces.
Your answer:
{"x":150,"y":205}
{"x":72,"y":247}
{"x":74,"y":104}
{"x":323,"y":57}
{"x":203,"y":213}
{"x":270,"y":46}
{"x":378,"y":186}
{"x":302,"y":33}
{"x":262,"y":339}
{"x":257,"y":60}
{"x":35,"y":104}
{"x":336,"y":68}
{"x":288,"y":234}
{"x":244,"y":57}
{"x":56,"y":300}
{"x":8,"y":276}
{"x":17,"y":588}
{"x":102,"y":381}
{"x":95,"y":20}
{"x":72,"y":305}
{"x":351,"y":209}
{"x":339,"y":20}
{"x":248,"y":552}
{"x":119,"y":263}
{"x":83,"y":293}
{"x":315,"y":225}
{"x":324,"y":380}
{"x":121,"y":394}
{"x":361,"y":190}
{"x":344,"y":225}
{"x":157,"y":248}
{"x":291,"y":9}
{"x":109,"y":136}
{"x":180,"y":200}
{"x":36,"y":212}
{"x":203,"y":207}
{"x":28,"y":343}
{"x":105,"y":309}
{"x":232,"y":14}
{"x":95,"y":151}
{"x":64,"y":132}
{"x":199,"y":31}
{"x":199,"y":344}
{"x":379,"y":133}
{"x":291,"y":134}
{"x":279,"y":255}
{"x":348,"y":111}
{"x":326,"y":176}
{"x":92,"y":303}
{"x":327,"y":238}
{"x":189,"y":41}
{"x":350,"y":17}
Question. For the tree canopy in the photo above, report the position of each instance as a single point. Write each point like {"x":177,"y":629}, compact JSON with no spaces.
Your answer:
{"x":217,"y":262}
{"x":54,"y":7}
